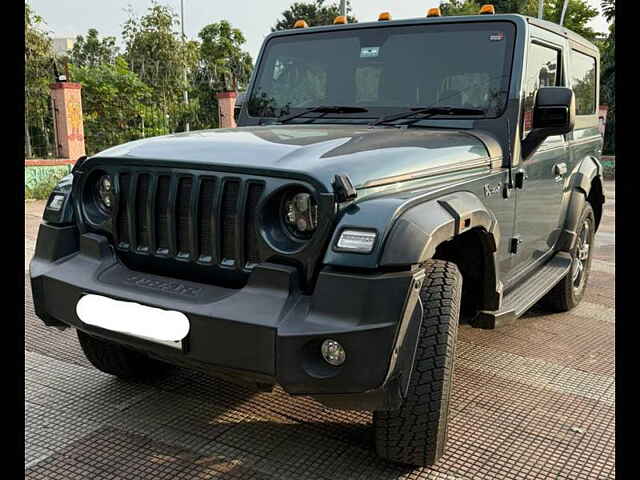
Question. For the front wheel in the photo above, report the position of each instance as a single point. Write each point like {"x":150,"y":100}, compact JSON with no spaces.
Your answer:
{"x":417,"y":432}
{"x":569,"y":291}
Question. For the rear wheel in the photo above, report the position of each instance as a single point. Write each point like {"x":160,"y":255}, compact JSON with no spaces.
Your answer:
{"x":417,"y":432}
{"x":120,"y":361}
{"x":570,"y":290}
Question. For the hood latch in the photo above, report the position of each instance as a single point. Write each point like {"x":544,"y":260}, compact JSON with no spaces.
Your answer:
{"x":343,"y":188}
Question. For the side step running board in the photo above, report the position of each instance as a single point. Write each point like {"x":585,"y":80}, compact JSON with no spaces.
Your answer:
{"x":527,"y":293}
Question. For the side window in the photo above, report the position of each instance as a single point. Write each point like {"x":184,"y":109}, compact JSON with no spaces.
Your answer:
{"x":583,"y":82}
{"x":543,"y":70}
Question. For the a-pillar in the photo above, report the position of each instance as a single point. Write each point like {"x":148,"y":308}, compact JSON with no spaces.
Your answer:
{"x":226,"y":107}
{"x":67,"y":103}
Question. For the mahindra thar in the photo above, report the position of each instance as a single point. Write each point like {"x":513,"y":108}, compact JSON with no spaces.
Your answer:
{"x":388,"y":181}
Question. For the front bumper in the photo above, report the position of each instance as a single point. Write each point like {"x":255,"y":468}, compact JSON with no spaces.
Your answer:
{"x":267,"y":332}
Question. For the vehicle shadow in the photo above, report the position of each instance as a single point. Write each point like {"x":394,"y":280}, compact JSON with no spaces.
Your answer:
{"x":264,"y":434}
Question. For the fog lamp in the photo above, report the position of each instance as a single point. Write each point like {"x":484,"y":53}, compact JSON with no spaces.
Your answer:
{"x":332,"y":352}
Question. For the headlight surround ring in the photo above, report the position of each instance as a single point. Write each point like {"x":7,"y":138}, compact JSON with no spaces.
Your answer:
{"x":96,"y":211}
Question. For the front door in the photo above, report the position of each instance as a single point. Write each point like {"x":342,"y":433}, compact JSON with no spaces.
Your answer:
{"x":539,"y":201}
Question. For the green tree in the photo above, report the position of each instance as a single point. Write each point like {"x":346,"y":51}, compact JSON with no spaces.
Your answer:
{"x":609,"y":10}
{"x":222,"y":66}
{"x":314,"y":13}
{"x":156,"y":52}
{"x":114,"y":104}
{"x":226,"y":66}
{"x":577,"y":17}
{"x":91,"y":51}
{"x":459,"y":7}
{"x":38,"y":72}
{"x":608,"y":74}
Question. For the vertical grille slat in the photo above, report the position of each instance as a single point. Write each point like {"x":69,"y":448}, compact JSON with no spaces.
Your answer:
{"x":151,"y":212}
{"x":162,"y":215}
{"x":171,"y":216}
{"x":124,"y":180}
{"x":133,"y":184}
{"x":229,"y":212}
{"x":183,"y":217}
{"x":206,"y":219}
{"x":189,"y":216}
{"x":250,"y":233}
{"x":142,"y":220}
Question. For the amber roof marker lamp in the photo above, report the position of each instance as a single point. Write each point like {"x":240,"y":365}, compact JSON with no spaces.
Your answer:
{"x":487,"y":9}
{"x":384,"y":17}
{"x":340,"y":20}
{"x":434,"y":12}
{"x":300,"y":24}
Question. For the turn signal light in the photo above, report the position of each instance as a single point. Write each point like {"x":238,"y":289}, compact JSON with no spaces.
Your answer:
{"x":487,"y":9}
{"x":434,"y":12}
{"x":300,"y":24}
{"x":384,"y":17}
{"x":340,"y":20}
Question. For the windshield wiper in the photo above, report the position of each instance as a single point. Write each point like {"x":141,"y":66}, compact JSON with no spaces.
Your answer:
{"x":323,"y":109}
{"x":427,"y":112}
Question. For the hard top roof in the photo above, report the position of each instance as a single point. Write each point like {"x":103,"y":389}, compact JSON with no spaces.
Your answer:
{"x":518,"y":19}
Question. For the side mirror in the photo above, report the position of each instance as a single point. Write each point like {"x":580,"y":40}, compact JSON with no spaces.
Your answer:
{"x":239,"y":103}
{"x":554,"y":113}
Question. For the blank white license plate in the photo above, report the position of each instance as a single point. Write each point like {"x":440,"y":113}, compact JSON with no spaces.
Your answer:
{"x":167,"y":327}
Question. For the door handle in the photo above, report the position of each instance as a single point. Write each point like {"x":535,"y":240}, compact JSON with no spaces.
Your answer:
{"x":521,"y":176}
{"x":561,"y":168}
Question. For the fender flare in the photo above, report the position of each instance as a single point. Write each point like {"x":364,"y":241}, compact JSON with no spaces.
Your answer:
{"x":417,"y":233}
{"x":581,"y":183}
{"x":420,"y":229}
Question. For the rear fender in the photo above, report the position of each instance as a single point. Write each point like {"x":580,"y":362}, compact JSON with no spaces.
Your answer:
{"x":582,"y":182}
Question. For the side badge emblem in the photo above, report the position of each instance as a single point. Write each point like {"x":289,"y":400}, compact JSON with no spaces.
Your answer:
{"x":492,"y":189}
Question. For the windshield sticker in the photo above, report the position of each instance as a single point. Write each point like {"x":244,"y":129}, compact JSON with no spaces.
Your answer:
{"x":496,"y":36}
{"x":369,"y":52}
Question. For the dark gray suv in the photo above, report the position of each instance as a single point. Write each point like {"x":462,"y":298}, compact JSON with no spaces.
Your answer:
{"x":388,"y":181}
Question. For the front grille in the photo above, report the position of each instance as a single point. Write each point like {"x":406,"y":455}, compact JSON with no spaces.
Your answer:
{"x":189,"y":217}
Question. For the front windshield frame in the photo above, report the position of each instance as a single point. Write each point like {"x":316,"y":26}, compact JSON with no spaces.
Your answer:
{"x":378,"y":111}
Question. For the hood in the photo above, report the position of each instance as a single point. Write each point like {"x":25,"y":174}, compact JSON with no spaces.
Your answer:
{"x":369,"y":156}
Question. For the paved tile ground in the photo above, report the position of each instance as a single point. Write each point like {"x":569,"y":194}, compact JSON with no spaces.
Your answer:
{"x":533,"y":400}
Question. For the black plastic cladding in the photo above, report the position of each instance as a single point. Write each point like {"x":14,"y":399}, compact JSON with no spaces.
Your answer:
{"x":123,"y":229}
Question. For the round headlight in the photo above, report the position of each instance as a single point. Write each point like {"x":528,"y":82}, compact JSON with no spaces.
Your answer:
{"x":301,"y":214}
{"x":105,"y":192}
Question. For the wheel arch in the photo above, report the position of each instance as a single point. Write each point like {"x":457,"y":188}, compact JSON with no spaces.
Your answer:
{"x":458,"y":228}
{"x":586,"y":186}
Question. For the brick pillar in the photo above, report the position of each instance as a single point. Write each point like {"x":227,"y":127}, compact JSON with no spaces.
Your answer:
{"x":226,"y":106}
{"x":68,"y":117}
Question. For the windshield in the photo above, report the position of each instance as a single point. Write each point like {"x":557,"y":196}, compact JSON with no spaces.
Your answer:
{"x":387,"y":69}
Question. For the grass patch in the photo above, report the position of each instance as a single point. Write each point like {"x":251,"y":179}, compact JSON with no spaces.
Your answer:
{"x":39,"y":182}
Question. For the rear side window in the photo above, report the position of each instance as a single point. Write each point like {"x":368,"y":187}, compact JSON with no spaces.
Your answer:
{"x":583,"y":82}
{"x":542,"y":71}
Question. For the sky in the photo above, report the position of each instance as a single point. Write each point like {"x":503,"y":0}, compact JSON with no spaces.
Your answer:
{"x":68,"y":18}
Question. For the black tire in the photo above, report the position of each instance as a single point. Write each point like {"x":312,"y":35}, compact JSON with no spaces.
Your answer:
{"x":569,"y":291}
{"x":416,"y":433}
{"x":120,"y":361}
